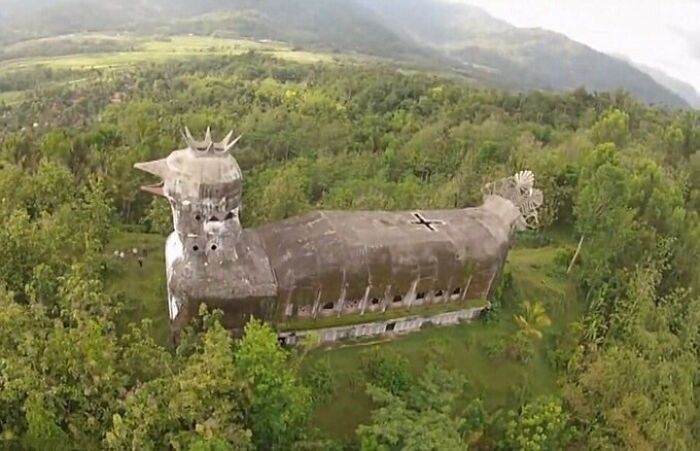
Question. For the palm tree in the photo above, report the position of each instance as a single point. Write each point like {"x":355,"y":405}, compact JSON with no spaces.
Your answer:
{"x":533,"y":319}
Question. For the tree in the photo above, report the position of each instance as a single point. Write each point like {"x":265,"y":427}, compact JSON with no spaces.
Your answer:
{"x":276,"y":406}
{"x":533,"y":319}
{"x":637,"y":392}
{"x":612,"y":127}
{"x":420,"y":419}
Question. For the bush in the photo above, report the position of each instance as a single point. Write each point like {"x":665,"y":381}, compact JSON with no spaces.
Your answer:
{"x":319,"y":378}
{"x":533,"y":239}
{"x":537,"y":426}
{"x":496,"y":347}
{"x":519,"y":347}
{"x":562,"y":259}
{"x":387,"y":369}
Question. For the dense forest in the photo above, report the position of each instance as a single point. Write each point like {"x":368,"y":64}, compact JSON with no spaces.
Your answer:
{"x":621,"y":179}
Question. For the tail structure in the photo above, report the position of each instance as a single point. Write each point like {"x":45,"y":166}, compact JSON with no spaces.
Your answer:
{"x":520,"y":191}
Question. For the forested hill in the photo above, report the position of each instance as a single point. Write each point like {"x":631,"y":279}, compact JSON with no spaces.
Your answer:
{"x":450,"y":37}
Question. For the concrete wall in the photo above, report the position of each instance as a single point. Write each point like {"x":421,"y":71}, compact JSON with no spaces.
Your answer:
{"x":393,"y":326}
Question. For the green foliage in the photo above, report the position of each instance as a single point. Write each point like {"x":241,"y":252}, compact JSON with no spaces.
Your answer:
{"x":533,"y":319}
{"x":277,"y":406}
{"x":637,"y":392}
{"x":159,"y":217}
{"x":386,"y":370}
{"x":537,"y":426}
{"x":422,"y":418}
{"x":319,"y":378}
{"x":612,"y":127}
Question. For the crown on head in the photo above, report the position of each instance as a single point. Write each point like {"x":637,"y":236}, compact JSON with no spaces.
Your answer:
{"x":208,"y":145}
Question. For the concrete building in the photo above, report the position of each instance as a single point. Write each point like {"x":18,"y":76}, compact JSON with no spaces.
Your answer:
{"x":328,"y":264}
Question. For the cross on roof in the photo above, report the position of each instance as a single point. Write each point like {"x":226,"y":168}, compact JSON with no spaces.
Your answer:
{"x":428,"y":223}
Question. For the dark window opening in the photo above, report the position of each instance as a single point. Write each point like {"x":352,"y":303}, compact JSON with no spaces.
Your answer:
{"x":195,"y":248}
{"x":390,"y":327}
{"x":420,"y":295}
{"x":328,"y":306}
{"x":438,"y":293}
{"x":456,"y":291}
{"x":198,"y":218}
{"x":214,"y":247}
{"x":213,"y":219}
{"x":375,"y":301}
{"x":230,"y":215}
{"x":398,"y":298}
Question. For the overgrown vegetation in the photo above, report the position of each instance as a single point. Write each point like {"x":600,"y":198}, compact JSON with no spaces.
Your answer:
{"x":599,"y":352}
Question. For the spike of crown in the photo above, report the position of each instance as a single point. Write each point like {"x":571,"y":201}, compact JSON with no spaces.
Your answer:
{"x":208,"y":146}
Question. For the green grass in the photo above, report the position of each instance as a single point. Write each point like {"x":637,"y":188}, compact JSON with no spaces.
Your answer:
{"x":161,"y":50}
{"x":143,"y":288}
{"x":11,"y":97}
{"x":148,"y":50}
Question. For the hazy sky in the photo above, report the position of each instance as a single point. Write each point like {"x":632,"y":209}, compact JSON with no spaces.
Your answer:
{"x":661,"y":33}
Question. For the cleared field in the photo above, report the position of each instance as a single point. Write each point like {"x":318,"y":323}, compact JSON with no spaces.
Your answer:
{"x":161,"y":50}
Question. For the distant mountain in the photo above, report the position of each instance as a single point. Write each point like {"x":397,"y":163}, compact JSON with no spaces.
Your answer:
{"x":493,"y":50}
{"x":683,"y":89}
{"x":449,"y":37}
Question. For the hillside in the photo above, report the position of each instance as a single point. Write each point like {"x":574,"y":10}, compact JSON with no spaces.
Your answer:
{"x":683,"y":89}
{"x":453,"y":38}
{"x":496,"y":52}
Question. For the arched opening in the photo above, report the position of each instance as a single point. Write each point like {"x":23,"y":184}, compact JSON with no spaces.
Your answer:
{"x":328,"y":306}
{"x":398,"y":298}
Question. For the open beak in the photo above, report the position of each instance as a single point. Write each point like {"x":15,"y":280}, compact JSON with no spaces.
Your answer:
{"x":156,"y":189}
{"x":158,"y":168}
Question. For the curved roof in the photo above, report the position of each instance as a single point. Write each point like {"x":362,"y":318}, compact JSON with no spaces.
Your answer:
{"x":332,"y":250}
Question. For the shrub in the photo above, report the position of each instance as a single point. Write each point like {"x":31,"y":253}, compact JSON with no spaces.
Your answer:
{"x":319,"y":378}
{"x":387,"y":369}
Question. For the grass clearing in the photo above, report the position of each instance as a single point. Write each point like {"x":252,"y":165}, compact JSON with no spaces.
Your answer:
{"x":155,"y":50}
{"x":143,"y":289}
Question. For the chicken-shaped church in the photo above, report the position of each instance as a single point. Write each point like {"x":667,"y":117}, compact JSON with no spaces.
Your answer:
{"x":375,"y":270}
